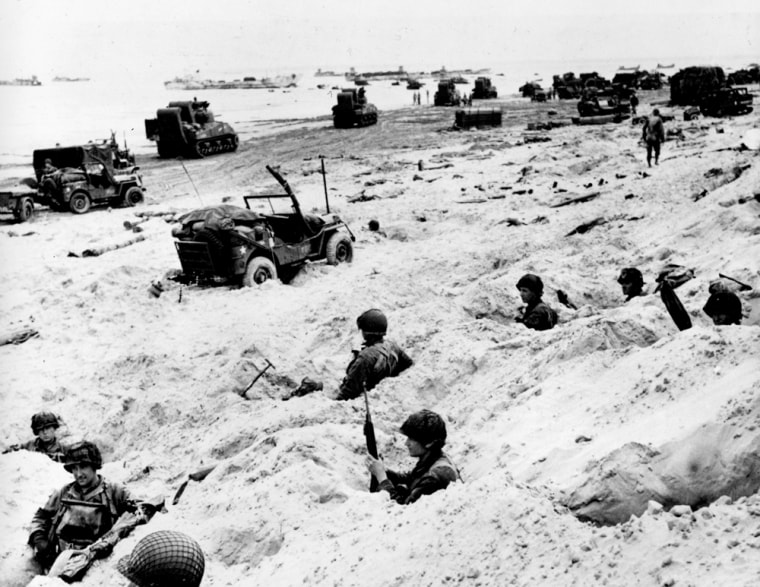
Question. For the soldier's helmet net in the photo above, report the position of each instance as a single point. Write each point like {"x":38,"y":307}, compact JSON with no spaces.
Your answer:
{"x":82,"y":453}
{"x":531,"y":282}
{"x":164,"y":559}
{"x":425,"y":427}
{"x":42,"y":420}
{"x":373,"y":322}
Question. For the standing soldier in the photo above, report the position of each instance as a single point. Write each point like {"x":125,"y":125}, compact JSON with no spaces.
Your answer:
{"x":425,"y":433}
{"x":653,"y":134}
{"x":80,"y":512}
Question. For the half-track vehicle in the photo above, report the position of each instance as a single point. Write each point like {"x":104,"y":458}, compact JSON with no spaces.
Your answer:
{"x":726,"y":102}
{"x":75,"y":178}
{"x":232,"y":244}
{"x":447,"y":94}
{"x":188,"y":129}
{"x":353,"y":109}
{"x":483,"y":89}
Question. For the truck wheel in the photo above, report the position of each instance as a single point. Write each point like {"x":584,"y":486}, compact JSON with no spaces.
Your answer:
{"x":79,"y":203}
{"x":339,"y":249}
{"x":259,"y":270}
{"x":133,"y":196}
{"x":24,"y":210}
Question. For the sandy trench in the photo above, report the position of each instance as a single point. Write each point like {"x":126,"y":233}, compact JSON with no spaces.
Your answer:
{"x":532,"y":416}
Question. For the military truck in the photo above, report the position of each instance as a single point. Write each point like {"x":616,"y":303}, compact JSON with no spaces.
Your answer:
{"x":447,"y":94}
{"x":726,"y":102}
{"x":188,"y":129}
{"x":688,"y":86}
{"x":232,"y":244}
{"x":483,"y":89}
{"x":77,"y":177}
{"x":353,"y":109}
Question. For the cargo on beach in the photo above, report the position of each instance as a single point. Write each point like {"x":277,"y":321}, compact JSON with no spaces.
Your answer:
{"x":467,"y":118}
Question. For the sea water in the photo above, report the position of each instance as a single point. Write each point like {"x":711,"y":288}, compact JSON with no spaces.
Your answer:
{"x":71,"y":113}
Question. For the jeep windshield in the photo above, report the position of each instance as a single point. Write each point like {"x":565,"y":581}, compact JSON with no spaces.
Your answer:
{"x":271,"y":203}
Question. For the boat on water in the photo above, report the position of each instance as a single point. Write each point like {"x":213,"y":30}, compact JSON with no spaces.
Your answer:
{"x":624,"y":68}
{"x":328,"y":73}
{"x":247,"y":83}
{"x":60,"y":78}
{"x":399,"y":74}
{"x":661,"y":66}
{"x":414,"y":84}
{"x":22,"y":81}
{"x":449,"y":73}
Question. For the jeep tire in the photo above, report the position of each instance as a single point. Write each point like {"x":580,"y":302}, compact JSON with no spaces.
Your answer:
{"x":133,"y":196}
{"x":79,"y":203}
{"x":24,"y":209}
{"x":259,"y":270}
{"x":339,"y":249}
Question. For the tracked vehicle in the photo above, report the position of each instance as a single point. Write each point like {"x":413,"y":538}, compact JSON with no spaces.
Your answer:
{"x":352,"y":109}
{"x":188,"y":129}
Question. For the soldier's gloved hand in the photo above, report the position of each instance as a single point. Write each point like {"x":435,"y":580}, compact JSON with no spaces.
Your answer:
{"x":42,"y":553}
{"x":307,"y":386}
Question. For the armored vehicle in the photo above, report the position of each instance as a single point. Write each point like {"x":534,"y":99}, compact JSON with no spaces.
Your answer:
{"x":78,"y":177}
{"x":726,"y":102}
{"x":352,"y":109}
{"x":483,"y":89}
{"x":447,"y":94}
{"x":188,"y":129}
{"x":234,"y":244}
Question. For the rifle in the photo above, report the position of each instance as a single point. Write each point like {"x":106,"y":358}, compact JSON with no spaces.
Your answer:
{"x":369,"y":434}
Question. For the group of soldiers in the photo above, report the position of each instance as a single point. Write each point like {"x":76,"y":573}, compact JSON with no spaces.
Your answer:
{"x":79,"y":513}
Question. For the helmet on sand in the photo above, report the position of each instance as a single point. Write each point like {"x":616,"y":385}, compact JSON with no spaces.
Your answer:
{"x":44,"y":419}
{"x":631,"y":275}
{"x":531,"y":282}
{"x":164,"y":559}
{"x":84,"y":452}
{"x":373,"y":322}
{"x":425,"y":427}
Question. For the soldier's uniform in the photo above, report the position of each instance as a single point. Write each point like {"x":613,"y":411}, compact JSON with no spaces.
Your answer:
{"x":375,"y":362}
{"x":433,"y":472}
{"x":54,"y":450}
{"x":539,"y":316}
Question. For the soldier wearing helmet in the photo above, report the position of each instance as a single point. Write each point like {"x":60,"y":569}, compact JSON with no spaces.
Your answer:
{"x":80,"y":512}
{"x":164,"y":558}
{"x":378,"y":359}
{"x":723,"y":307}
{"x":632,"y":283}
{"x":537,"y":315}
{"x":44,"y":426}
{"x":425,"y":433}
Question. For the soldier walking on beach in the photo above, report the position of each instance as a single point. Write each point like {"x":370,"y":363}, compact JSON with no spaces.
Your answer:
{"x":653,"y":134}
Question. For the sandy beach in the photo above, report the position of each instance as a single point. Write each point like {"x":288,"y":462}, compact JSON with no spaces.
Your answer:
{"x":612,"y":415}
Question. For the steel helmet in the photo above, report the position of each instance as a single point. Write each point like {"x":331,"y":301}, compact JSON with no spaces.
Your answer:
{"x":164,"y":559}
{"x":425,"y":427}
{"x":373,"y":322}
{"x":44,"y":419}
{"x":531,"y":282}
{"x":631,"y":275}
{"x":84,"y":452}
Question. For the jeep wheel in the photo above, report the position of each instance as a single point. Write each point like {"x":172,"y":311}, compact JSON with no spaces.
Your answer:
{"x":339,"y":249}
{"x":25,"y":210}
{"x":79,"y":203}
{"x":259,"y":270}
{"x":133,"y":196}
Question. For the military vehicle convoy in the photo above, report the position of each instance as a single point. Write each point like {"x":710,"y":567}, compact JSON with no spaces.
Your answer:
{"x":447,"y":94}
{"x":353,"y":109}
{"x":188,"y":129}
{"x":233,"y":244}
{"x":483,"y":89}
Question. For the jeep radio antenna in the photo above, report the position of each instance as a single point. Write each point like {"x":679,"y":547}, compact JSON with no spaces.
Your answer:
{"x":324,"y":182}
{"x":191,"y":181}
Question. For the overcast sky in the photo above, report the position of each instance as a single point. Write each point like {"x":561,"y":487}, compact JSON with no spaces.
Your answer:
{"x":84,"y":37}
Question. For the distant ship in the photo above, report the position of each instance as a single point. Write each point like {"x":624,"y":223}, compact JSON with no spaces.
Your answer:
{"x":247,"y":83}
{"x":398,"y":74}
{"x":661,"y":66}
{"x":445,"y":73}
{"x":60,"y":78}
{"x":321,"y":73}
{"x":22,"y":81}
